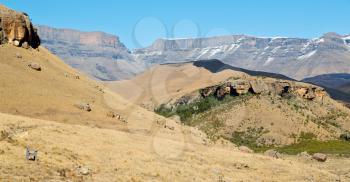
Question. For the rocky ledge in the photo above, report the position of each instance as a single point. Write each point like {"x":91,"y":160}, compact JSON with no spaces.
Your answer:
{"x":256,"y":86}
{"x":261,"y":86}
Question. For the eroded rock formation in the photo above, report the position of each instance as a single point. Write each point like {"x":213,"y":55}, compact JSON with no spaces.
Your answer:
{"x":261,"y":86}
{"x":17,"y":29}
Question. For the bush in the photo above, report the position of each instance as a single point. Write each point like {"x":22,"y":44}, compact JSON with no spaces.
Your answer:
{"x":186,"y":111}
{"x":314,"y":146}
{"x":164,"y":111}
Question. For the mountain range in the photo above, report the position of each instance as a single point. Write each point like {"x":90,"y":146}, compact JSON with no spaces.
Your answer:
{"x":297,"y":58}
{"x":104,"y":57}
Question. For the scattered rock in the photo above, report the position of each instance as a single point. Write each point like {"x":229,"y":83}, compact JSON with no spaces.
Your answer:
{"x":25,"y":45}
{"x":16,"y":43}
{"x":320,"y":157}
{"x":245,"y":149}
{"x":169,"y":127}
{"x":83,"y":106}
{"x":62,"y":172}
{"x":273,"y":153}
{"x":83,"y":170}
{"x":112,"y":114}
{"x":76,"y":77}
{"x":35,"y":66}
{"x":241,"y":166}
{"x":31,"y":154}
{"x":19,"y":56}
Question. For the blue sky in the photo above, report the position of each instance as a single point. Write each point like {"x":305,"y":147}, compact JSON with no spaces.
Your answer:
{"x":139,"y":23}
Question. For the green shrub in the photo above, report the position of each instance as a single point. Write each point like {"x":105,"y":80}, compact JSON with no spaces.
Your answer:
{"x":306,"y":136}
{"x":186,"y":111}
{"x":164,"y":111}
{"x":314,"y":146}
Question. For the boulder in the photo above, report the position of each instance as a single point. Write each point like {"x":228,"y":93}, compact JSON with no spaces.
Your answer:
{"x":83,"y":106}
{"x":258,"y":86}
{"x":273,"y":153}
{"x":16,"y":28}
{"x":83,"y":170}
{"x":25,"y":45}
{"x":16,"y":43}
{"x":320,"y":157}
{"x":35,"y":66}
{"x":31,"y":154}
{"x":245,"y":149}
{"x":241,"y":86}
{"x":280,"y":88}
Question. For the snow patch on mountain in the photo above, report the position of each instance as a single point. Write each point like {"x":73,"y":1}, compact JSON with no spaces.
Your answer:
{"x":319,"y":40}
{"x":306,"y":56}
{"x":268,"y":61}
{"x":274,"y":50}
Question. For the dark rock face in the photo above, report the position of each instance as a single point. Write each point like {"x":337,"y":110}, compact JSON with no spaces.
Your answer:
{"x":16,"y":29}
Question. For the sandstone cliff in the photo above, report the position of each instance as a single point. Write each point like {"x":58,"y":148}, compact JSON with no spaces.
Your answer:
{"x":17,"y":29}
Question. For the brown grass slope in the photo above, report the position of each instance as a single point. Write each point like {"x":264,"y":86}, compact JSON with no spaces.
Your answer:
{"x":112,"y":155}
{"x":163,"y":83}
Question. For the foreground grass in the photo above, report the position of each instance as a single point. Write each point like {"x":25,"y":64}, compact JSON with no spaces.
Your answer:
{"x":314,"y":146}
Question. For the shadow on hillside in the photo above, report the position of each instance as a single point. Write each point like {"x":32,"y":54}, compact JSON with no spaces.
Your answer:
{"x":215,"y":66}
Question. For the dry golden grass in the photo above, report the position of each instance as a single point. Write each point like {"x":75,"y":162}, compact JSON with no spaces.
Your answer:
{"x":164,"y":155}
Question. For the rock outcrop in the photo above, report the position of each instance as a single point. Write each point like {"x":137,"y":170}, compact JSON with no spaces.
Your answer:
{"x":17,"y":29}
{"x":265,"y":86}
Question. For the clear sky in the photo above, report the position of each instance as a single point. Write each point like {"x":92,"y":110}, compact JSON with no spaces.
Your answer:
{"x":139,"y":23}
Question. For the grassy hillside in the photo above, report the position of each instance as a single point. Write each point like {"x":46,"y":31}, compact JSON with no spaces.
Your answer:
{"x":263,"y":121}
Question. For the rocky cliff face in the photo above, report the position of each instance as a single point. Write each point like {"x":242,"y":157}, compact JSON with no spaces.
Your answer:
{"x":86,"y":38}
{"x":98,"y":54}
{"x":16,"y":29}
{"x":294,"y":57}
